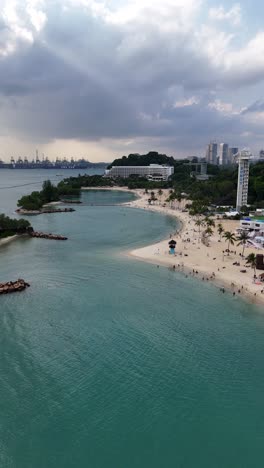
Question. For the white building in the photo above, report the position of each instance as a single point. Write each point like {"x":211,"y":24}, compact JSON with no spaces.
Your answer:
{"x":155,"y":172}
{"x":211,"y":153}
{"x":256,"y":225}
{"x":242,"y":182}
{"x":223,"y":154}
{"x":231,"y":154}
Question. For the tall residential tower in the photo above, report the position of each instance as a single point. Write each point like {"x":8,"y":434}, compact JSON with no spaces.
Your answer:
{"x":211,"y":153}
{"x":223,"y":154}
{"x":243,"y":159}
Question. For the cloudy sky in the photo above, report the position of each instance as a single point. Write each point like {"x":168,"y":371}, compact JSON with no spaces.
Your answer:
{"x":102,"y":78}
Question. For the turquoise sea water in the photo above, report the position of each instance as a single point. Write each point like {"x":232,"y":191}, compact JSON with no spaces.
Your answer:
{"x":108,"y":362}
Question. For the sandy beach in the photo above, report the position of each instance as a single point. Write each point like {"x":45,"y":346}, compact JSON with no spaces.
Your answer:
{"x":192,"y":257}
{"x":7,"y":240}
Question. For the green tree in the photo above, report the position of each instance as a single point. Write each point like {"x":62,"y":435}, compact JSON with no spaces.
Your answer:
{"x":243,"y":238}
{"x":209,"y":222}
{"x":178,"y":198}
{"x":9,"y":227}
{"x":252,"y":261}
{"x":220,"y":230}
{"x":49,"y":192}
{"x":153,"y":197}
{"x":209,"y":232}
{"x":199,"y":223}
{"x":230,"y":238}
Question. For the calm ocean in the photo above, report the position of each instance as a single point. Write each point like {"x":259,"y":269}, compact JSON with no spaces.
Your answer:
{"x":108,"y":362}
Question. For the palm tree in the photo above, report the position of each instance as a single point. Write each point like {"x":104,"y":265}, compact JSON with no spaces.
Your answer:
{"x":153,"y":198}
{"x":252,"y":260}
{"x":220,"y":230}
{"x":160,"y":193}
{"x":199,"y":223}
{"x":230,"y":237}
{"x":178,"y":198}
{"x":172,"y":198}
{"x":209,"y":231}
{"x":243,"y":238}
{"x":209,"y":222}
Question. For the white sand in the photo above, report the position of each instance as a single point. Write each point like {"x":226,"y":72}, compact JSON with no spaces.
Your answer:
{"x":205,"y":260}
{"x":7,"y":240}
{"x":52,"y":203}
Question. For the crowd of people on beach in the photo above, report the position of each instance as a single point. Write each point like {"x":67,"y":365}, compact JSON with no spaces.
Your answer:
{"x":189,"y":235}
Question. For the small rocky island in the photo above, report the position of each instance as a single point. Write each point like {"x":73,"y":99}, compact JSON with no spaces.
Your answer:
{"x":13,"y":286}
{"x":37,"y":201}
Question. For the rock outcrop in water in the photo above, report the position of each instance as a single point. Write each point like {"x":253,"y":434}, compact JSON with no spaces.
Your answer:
{"x":22,"y":211}
{"x":13,"y":286}
{"x":43,"y":235}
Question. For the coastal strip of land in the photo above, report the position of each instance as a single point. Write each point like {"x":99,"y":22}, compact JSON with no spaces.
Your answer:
{"x":7,"y":240}
{"x":227,"y":270}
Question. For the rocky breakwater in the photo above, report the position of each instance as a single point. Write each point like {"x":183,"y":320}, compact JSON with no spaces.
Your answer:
{"x":57,"y":210}
{"x":74,"y":202}
{"x":13,"y":286}
{"x":22,"y":211}
{"x":43,"y":235}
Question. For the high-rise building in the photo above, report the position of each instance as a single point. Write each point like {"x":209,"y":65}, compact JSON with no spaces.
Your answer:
{"x":231,"y":154}
{"x":243,"y":159}
{"x":211,"y":153}
{"x":223,"y":154}
{"x":261,"y":155}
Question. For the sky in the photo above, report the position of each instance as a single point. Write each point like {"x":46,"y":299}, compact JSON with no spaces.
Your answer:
{"x":102,"y":79}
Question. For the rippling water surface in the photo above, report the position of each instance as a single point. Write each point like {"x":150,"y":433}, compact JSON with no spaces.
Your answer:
{"x":107,"y":362}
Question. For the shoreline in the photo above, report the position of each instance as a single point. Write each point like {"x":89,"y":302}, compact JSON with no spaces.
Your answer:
{"x":8,"y":240}
{"x":209,"y":262}
{"x":192,"y":258}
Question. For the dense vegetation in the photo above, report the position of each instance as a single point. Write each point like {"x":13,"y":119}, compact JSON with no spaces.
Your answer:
{"x":9,"y":227}
{"x":220,"y":189}
{"x":49,"y":193}
{"x":136,"y":159}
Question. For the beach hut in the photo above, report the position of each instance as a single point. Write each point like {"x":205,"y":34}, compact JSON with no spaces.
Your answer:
{"x":172,"y":246}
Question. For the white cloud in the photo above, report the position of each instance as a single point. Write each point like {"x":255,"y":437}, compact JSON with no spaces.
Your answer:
{"x":187,"y":102}
{"x":225,"y":108}
{"x":232,"y":16}
{"x":37,"y":16}
{"x":126,"y":70}
{"x":22,"y":20}
{"x":247,"y":63}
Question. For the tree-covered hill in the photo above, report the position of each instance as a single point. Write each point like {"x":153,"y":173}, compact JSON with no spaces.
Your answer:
{"x":136,"y":159}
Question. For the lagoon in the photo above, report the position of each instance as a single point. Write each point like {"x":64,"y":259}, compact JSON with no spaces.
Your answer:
{"x":110,"y":362}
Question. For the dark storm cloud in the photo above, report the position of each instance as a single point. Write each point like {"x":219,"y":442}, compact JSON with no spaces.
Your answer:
{"x":85,"y":78}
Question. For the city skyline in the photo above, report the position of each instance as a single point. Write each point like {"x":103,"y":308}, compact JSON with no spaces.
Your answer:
{"x":107,"y":79}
